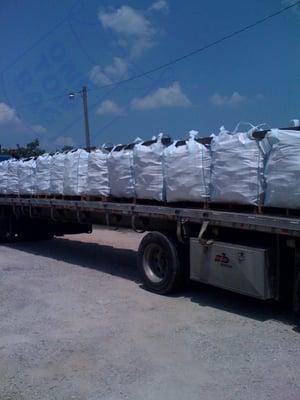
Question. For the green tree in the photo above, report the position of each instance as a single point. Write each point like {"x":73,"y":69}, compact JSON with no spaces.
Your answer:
{"x":31,"y":149}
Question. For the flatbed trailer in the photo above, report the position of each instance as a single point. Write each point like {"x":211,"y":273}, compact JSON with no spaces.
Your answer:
{"x":253,"y":253}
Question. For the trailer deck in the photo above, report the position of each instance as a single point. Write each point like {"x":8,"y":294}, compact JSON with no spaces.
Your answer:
{"x":276,"y":224}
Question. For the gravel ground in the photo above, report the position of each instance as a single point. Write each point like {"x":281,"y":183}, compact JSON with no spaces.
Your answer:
{"x":76,"y":324}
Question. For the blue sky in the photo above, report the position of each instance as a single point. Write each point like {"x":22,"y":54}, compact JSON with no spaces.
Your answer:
{"x":51,"y":47}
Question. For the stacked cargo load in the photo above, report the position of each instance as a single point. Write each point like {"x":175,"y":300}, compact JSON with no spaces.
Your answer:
{"x":26,"y":171}
{"x":282,"y":170}
{"x":254,"y":167}
{"x":237,"y":174}
{"x":97,"y":173}
{"x":75,"y":172}
{"x":148,"y":168}
{"x":57,"y":171}
{"x":43,"y":174}
{"x":121,"y":171}
{"x":187,"y":165}
{"x":3,"y":176}
{"x":13,"y":177}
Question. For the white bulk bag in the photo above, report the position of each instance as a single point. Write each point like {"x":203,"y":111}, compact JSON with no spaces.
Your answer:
{"x":3,"y":176}
{"x":76,"y":172}
{"x":57,"y":169}
{"x":42,"y":174}
{"x":237,"y":168}
{"x":282,"y":170}
{"x":27,"y":176}
{"x":97,"y":180}
{"x":120,"y":172}
{"x":187,"y":170}
{"x":148,"y":169}
{"x":13,"y":177}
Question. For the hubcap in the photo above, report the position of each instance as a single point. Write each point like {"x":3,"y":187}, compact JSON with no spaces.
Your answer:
{"x":155,"y":263}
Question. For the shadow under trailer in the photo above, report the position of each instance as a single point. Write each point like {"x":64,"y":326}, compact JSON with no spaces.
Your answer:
{"x":253,"y":253}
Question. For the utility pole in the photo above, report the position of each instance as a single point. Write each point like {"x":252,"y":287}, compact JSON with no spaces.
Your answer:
{"x":86,"y":118}
{"x":83,"y":93}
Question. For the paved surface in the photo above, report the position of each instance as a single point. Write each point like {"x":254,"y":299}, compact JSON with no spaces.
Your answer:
{"x":76,"y":324}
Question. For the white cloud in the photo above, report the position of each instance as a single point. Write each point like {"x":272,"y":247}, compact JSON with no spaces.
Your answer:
{"x":113,"y":72}
{"x":98,"y":77}
{"x":108,"y":107}
{"x":171,"y":96}
{"x":160,"y":5}
{"x":19,"y":129}
{"x":8,"y":115}
{"x":233,"y":100}
{"x":132,"y":28}
{"x":38,"y":129}
{"x":118,"y":68}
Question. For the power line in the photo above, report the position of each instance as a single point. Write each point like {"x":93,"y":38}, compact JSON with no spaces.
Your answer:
{"x":201,"y":49}
{"x":178,"y":59}
{"x":33,"y":103}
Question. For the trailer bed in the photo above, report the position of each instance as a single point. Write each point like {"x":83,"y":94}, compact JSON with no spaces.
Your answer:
{"x":276,"y":224}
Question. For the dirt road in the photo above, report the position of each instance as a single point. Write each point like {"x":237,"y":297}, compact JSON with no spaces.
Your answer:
{"x":76,"y":324}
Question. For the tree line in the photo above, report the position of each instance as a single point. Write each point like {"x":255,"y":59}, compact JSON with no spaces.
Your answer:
{"x":31,"y":149}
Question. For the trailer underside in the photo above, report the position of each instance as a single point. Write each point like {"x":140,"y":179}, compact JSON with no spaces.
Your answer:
{"x":173,"y":230}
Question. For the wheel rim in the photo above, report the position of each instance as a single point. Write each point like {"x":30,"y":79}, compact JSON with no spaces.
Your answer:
{"x":155,"y":263}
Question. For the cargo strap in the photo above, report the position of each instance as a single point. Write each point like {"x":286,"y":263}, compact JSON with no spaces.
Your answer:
{"x":181,"y":230}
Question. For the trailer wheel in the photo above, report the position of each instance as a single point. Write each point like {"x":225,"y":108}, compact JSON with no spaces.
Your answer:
{"x":159,"y":265}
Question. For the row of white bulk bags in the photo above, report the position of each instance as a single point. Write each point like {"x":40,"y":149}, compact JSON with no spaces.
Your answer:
{"x":282,"y":170}
{"x":26,"y":171}
{"x":42,"y":174}
{"x":57,"y":171}
{"x":75,"y":172}
{"x":148,"y":168}
{"x":121,"y":171}
{"x":97,"y":174}
{"x":13,"y":177}
{"x":237,"y":168}
{"x":3,"y":176}
{"x":79,"y":172}
{"x":187,"y":166}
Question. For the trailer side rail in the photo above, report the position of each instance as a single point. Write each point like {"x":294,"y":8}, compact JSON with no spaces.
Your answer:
{"x":283,"y":225}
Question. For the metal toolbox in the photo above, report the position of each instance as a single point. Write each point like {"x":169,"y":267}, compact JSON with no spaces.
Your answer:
{"x":238,"y":268}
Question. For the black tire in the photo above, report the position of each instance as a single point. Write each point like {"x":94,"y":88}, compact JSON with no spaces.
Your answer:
{"x":159,"y":263}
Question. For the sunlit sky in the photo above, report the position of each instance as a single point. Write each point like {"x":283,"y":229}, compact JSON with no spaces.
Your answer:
{"x":52,"y":47}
